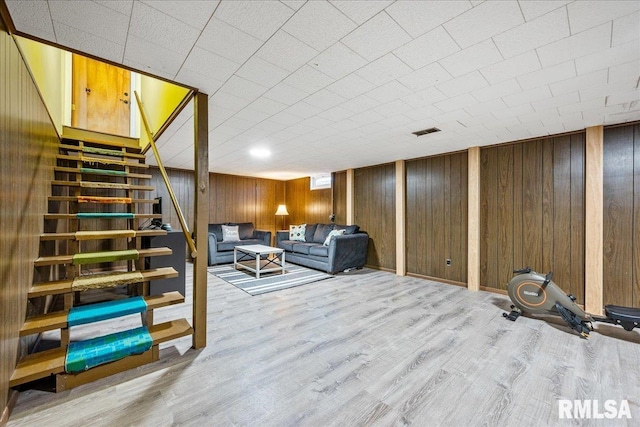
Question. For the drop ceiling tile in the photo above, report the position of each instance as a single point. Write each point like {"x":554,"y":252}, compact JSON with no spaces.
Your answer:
{"x":92,"y":18}
{"x":604,"y":90}
{"x":205,"y":84}
{"x":617,"y":55}
{"x":563,"y":71}
{"x":324,"y":99}
{"x":285,"y":94}
{"x":527,"y":96}
{"x":337,"y":61}
{"x":393,"y":108}
{"x":472,"y":58}
{"x":376,"y":37}
{"x":424,"y":97}
{"x":463,"y":84}
{"x":484,"y":21}
{"x":482,"y":108}
{"x":317,"y":122}
{"x":541,"y":31}
{"x":267,"y":106}
{"x":535,"y":8}
{"x":596,"y":78}
{"x":512,"y":111}
{"x":218,"y":116}
{"x":556,"y":101}
{"x":153,"y":58}
{"x":350,"y":86}
{"x":227,"y":41}
{"x":122,"y":6}
{"x":303,"y":110}
{"x":243,"y":88}
{"x":308,"y":79}
{"x":194,"y":13}
{"x":367,"y":117}
{"x":626,"y":29}
{"x":456,"y":102}
{"x":419,"y":17}
{"x":360,"y":11}
{"x":345,"y":125}
{"x":294,"y":4}
{"x":32,"y":17}
{"x":507,"y":87}
{"x":581,"y":44}
{"x":425,"y":77}
{"x":630,"y":116}
{"x":286,"y":51}
{"x":238,"y":124}
{"x":262,"y":72}
{"x":624,"y":72}
{"x":336,"y":114}
{"x":384,"y":69}
{"x":227,"y":100}
{"x":588,"y":14}
{"x":253,"y":116}
{"x":155,"y":27}
{"x":590,"y":105}
{"x":389,"y":92}
{"x":210,"y":64}
{"x":512,"y":67}
{"x":319,"y":25}
{"x":258,"y":18}
{"x":625,"y":97}
{"x":360,"y":104}
{"x":426,"y":49}
{"x":89,"y":43}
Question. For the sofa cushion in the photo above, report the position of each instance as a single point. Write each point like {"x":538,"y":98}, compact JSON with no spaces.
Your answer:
{"x":348,"y":229}
{"x":217,"y":230}
{"x":297,"y":232}
{"x":322,"y":231}
{"x":245,"y":228}
{"x":332,"y":233}
{"x":287,"y":245}
{"x":309,"y":232}
{"x":228,"y":246}
{"x":303,"y":248}
{"x":230,"y":233}
{"x":319,"y":250}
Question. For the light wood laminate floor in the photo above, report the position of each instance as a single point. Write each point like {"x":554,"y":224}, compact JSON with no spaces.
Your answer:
{"x":363,"y":348}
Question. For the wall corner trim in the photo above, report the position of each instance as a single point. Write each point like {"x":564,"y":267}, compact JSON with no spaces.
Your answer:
{"x":594,"y":193}
{"x":473,"y":245}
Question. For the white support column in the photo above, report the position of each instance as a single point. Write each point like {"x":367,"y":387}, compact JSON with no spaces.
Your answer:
{"x":401,"y":190}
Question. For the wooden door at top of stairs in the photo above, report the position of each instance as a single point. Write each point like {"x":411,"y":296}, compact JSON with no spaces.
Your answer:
{"x":101,"y":97}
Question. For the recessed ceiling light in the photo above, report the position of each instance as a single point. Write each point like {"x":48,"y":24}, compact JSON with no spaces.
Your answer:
{"x":261,"y":153}
{"x":425,"y":131}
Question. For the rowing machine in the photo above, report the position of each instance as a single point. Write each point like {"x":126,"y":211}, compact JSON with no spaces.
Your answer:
{"x":534,"y":293}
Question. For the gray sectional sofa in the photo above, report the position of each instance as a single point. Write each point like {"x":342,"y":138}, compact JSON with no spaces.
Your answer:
{"x":221,"y":252}
{"x":343,"y":252}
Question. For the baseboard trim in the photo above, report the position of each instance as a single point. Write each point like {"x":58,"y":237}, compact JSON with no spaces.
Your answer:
{"x":437,"y":279}
{"x":493,"y":290}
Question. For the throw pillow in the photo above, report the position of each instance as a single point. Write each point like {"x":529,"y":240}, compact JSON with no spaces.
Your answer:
{"x":331,"y":234}
{"x":230,"y":233}
{"x":296,"y":232}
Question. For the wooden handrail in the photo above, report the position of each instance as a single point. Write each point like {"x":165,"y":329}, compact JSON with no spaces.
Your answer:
{"x":165,"y":177}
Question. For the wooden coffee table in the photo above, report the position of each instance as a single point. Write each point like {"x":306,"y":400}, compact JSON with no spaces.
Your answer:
{"x":256,"y":252}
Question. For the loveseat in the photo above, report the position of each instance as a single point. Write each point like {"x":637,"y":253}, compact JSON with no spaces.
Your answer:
{"x":345,"y":248}
{"x":221,"y":250}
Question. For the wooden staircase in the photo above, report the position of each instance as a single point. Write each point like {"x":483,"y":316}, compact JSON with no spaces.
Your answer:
{"x":94,"y":245}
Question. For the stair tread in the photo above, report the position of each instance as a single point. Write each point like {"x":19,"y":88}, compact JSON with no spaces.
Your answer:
{"x":101,"y":215}
{"x":67,"y":259}
{"x":102,"y":234}
{"x":101,"y":160}
{"x":114,"y":152}
{"x":75,"y":199}
{"x":45,"y":363}
{"x":65,"y":286}
{"x":96,"y":184}
{"x":58,"y":319}
{"x":90,"y":171}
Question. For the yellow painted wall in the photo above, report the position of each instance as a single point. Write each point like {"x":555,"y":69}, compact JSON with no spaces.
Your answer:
{"x":159,"y":100}
{"x":47,"y":64}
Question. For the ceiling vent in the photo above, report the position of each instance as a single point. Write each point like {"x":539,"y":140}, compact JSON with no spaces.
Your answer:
{"x":425,"y":131}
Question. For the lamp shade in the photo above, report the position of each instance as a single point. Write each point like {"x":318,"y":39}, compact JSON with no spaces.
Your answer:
{"x":282,"y":210}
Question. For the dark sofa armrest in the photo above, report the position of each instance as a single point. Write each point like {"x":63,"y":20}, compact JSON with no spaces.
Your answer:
{"x":280,"y":236}
{"x":213,"y":248}
{"x":263,"y":235}
{"x":348,"y":251}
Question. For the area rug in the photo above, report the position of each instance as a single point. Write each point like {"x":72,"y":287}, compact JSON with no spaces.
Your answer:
{"x":268,"y":282}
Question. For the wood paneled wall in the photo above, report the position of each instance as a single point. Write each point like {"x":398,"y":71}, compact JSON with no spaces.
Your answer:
{"x":340,"y":197}
{"x":375,"y":213}
{"x":532,"y":211}
{"x":28,"y":145}
{"x":306,"y":205}
{"x":621,"y":258}
{"x":182,"y":182}
{"x":436,"y":217}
